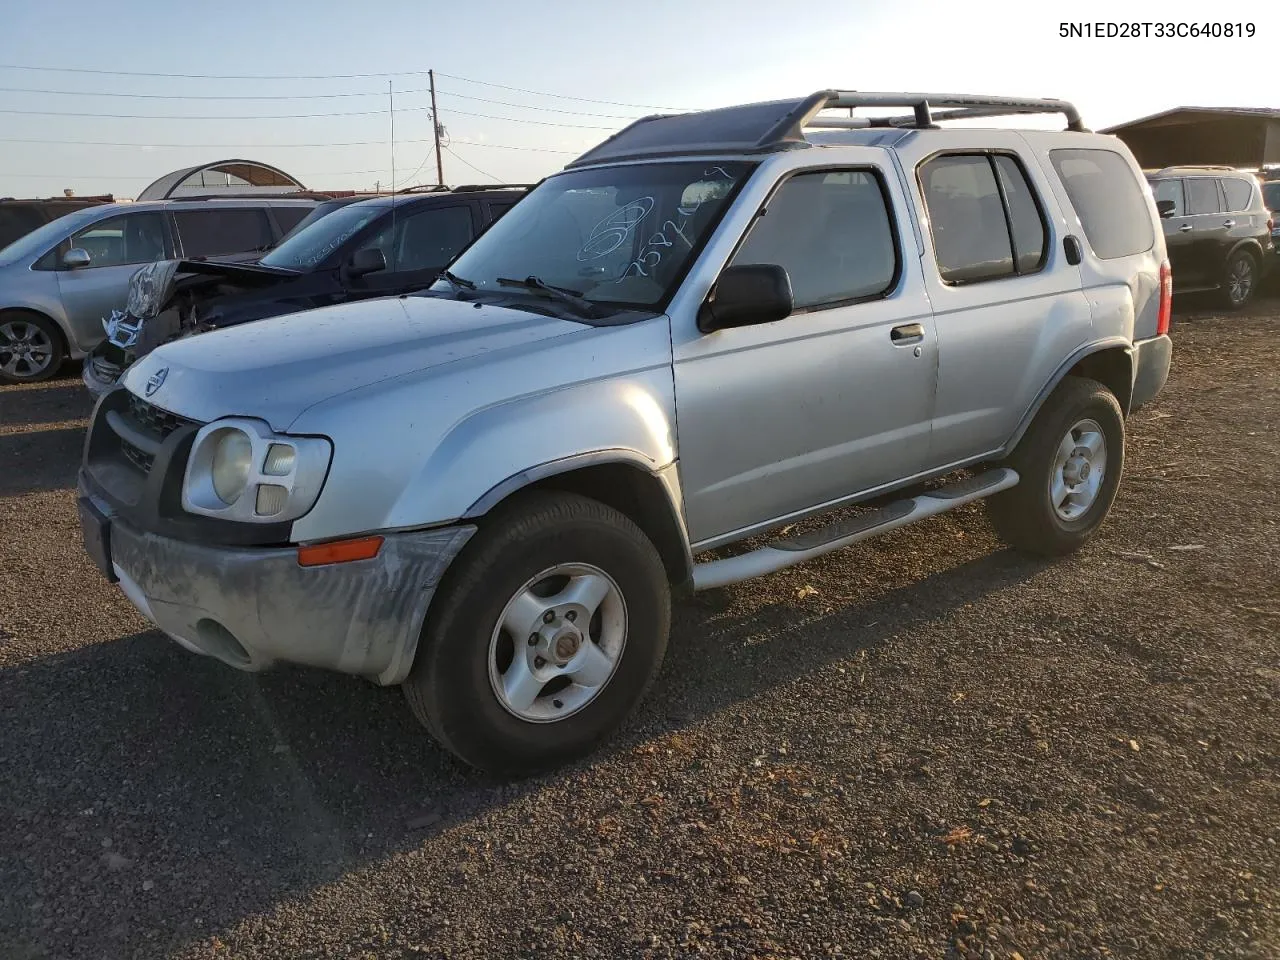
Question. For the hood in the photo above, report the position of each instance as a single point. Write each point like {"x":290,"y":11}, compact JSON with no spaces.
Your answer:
{"x":151,"y":286}
{"x":276,"y":368}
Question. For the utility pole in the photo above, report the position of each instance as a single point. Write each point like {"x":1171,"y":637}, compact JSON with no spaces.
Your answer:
{"x":435,"y":127}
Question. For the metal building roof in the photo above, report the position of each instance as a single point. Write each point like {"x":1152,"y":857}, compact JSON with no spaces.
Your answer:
{"x":224,"y":176}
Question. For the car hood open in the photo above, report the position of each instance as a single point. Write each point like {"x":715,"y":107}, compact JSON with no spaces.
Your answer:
{"x":276,"y":368}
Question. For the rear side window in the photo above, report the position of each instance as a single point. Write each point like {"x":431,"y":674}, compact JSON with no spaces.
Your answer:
{"x":983,"y":216}
{"x":213,"y":233}
{"x":1108,"y":200}
{"x":1238,"y":193}
{"x":831,"y":231}
{"x":1202,"y":196}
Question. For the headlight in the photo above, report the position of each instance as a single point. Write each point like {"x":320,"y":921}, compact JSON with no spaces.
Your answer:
{"x":239,"y":469}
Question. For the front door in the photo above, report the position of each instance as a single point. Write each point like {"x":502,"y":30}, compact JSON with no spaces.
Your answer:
{"x":837,"y":398}
{"x":417,"y":246}
{"x":1177,"y":231}
{"x":116,"y":246}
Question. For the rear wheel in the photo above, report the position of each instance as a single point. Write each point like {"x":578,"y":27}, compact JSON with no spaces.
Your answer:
{"x":544,"y":636}
{"x":1241,"y":280}
{"x":30,"y":347}
{"x":1069,"y":463}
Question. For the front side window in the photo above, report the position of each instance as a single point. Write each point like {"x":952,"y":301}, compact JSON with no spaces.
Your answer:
{"x":620,"y":236}
{"x":832,"y":233}
{"x":1108,"y":199}
{"x":1238,"y":193}
{"x":116,"y":241}
{"x":984,"y":217}
{"x":424,"y":240}
{"x":1202,"y":196}
{"x":1170,"y":190}
{"x":216,"y":232}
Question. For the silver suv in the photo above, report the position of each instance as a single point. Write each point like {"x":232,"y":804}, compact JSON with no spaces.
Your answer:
{"x":707,"y":328}
{"x":61,"y":281}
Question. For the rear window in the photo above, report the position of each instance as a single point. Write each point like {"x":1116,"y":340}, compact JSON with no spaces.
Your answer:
{"x":289,"y":217}
{"x":17,"y":222}
{"x":213,"y":233}
{"x":1271,"y":195}
{"x":1108,"y":199}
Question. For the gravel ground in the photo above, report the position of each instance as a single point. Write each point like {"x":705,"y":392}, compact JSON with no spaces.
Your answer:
{"x":925,"y":746}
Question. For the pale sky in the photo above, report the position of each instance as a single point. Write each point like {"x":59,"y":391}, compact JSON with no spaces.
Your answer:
{"x":582,"y":69}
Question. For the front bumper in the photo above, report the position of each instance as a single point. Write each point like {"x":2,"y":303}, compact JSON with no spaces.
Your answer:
{"x":99,"y":373}
{"x":252,"y":606}
{"x":1151,"y":359}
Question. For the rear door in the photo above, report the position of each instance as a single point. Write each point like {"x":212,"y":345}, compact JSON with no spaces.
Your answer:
{"x":780,"y":418}
{"x":1007,"y":302}
{"x":1209,"y":231}
{"x":117,"y":246}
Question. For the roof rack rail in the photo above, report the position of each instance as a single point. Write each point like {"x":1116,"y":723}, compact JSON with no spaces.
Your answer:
{"x":425,"y":188}
{"x":780,"y":124}
{"x":471,"y":187}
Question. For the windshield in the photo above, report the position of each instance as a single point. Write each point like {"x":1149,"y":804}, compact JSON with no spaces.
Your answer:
{"x":308,"y":246}
{"x":1271,"y":195}
{"x":52,"y":233}
{"x":620,"y":235}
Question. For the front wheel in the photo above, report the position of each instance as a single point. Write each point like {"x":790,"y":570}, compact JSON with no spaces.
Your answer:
{"x":544,"y":636}
{"x":1069,"y":463}
{"x":1241,"y":280}
{"x":30,"y":348}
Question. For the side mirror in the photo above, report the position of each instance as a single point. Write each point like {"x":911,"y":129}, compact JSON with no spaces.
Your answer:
{"x":1165,"y":208}
{"x":366,"y":261}
{"x":746,"y":295}
{"x":76,"y":257}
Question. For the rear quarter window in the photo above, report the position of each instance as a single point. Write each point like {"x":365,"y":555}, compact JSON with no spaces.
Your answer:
{"x":1239,"y":193}
{"x":1108,"y":199}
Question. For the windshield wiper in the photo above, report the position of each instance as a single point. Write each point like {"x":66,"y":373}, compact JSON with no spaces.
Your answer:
{"x":460,"y":282}
{"x":572,"y":298}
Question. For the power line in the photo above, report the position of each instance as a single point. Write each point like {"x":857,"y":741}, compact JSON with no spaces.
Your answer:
{"x":559,"y":96}
{"x":472,"y":166}
{"x":529,"y":106}
{"x":308,"y":96}
{"x":331,"y":76}
{"x":177,"y":96}
{"x":269,"y":146}
{"x":296,"y":116}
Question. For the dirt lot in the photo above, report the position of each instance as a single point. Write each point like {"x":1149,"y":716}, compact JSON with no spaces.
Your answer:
{"x":926,"y":746}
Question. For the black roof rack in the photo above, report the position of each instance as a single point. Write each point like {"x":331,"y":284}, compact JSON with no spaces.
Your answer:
{"x":471,"y":187}
{"x":780,"y":124}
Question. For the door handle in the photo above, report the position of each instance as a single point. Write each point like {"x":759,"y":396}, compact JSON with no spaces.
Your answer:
{"x":1229,"y":223}
{"x":906,"y":334}
{"x":1185,"y":228}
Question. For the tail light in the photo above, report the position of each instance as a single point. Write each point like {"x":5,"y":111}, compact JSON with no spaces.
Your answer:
{"x":1165,"y":316}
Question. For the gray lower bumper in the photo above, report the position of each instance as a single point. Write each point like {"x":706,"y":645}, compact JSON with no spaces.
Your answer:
{"x":1151,"y":360}
{"x":251,"y":606}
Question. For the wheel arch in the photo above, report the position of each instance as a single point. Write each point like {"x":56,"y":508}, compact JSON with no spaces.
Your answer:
{"x":622,"y":480}
{"x":1249,"y":245}
{"x":1109,"y":361}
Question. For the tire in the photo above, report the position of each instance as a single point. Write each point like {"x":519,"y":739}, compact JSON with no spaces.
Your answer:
{"x":465,"y":662}
{"x":21,"y":335}
{"x":1025,"y":516}
{"x":1240,"y":280}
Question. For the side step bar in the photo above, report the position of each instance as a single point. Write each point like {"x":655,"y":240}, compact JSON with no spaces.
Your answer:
{"x":787,"y":552}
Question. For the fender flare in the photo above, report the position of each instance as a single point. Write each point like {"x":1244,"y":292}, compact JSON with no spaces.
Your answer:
{"x":1248,"y":243}
{"x":1085,"y":350}
{"x":551,"y":468}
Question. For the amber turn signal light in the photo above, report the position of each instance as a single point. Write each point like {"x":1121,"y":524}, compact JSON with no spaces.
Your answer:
{"x":339,"y":551}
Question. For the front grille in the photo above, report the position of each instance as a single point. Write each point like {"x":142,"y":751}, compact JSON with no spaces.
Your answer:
{"x":154,"y":423}
{"x":153,"y":419}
